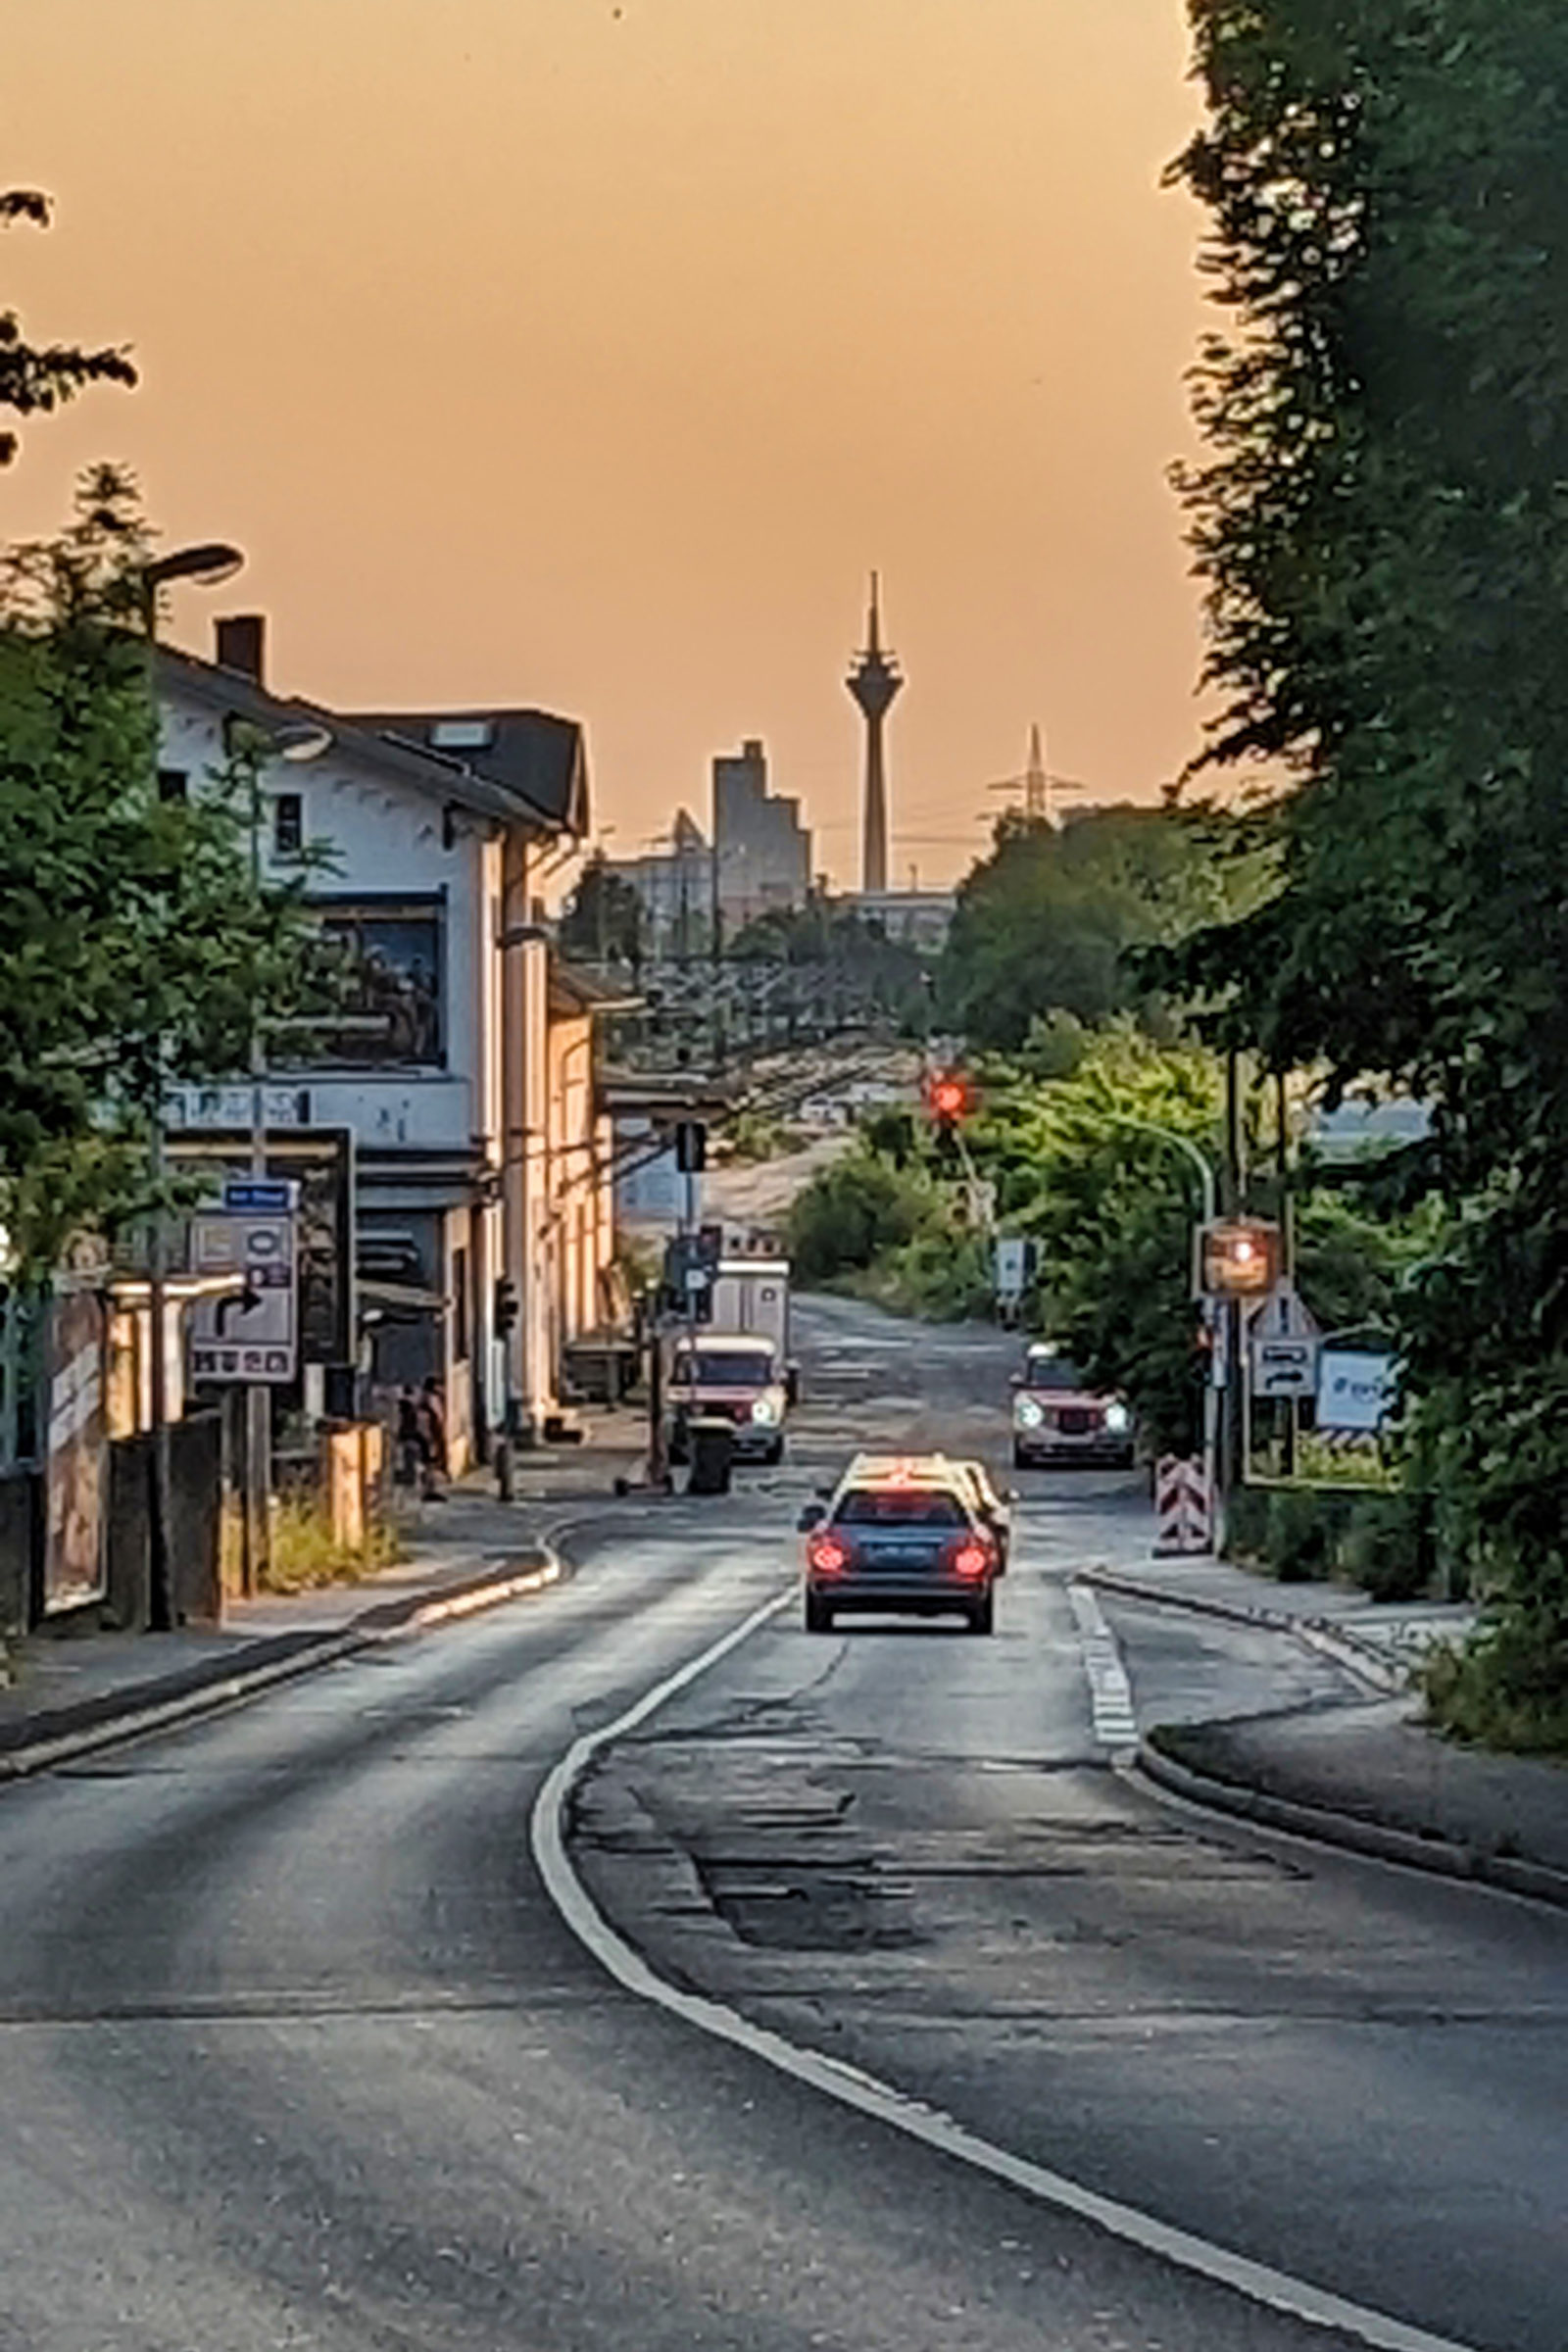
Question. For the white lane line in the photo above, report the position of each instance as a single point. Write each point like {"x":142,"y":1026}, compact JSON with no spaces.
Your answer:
{"x":1110,"y":1695}
{"x":867,"y":2095}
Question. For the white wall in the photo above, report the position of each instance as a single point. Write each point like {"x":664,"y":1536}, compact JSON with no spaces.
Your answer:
{"x":385,"y":838}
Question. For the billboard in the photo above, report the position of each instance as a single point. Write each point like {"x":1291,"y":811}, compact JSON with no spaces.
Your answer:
{"x":76,"y":1451}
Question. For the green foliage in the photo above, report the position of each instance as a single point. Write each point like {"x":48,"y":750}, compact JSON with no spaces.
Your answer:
{"x":134,"y":951}
{"x":604,"y":921}
{"x":37,"y":377}
{"x":1504,"y":1689}
{"x":854,"y":1213}
{"x":1044,"y":924}
{"x":1381,"y":522}
{"x":1112,"y":1203}
{"x":861,"y":973}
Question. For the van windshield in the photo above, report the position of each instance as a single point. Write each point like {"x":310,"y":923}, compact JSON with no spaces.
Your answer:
{"x":710,"y":1369}
{"x":1051,"y":1372}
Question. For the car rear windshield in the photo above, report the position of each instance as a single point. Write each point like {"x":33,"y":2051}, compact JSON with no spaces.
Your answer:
{"x":716,"y":1371}
{"x":901,"y":1506}
{"x":1053,"y":1372}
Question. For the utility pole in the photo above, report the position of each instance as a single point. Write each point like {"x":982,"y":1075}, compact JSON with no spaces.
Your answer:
{"x":1290,"y":1426}
{"x":1232,"y":1444}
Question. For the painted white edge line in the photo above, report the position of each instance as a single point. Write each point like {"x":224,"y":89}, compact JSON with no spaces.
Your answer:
{"x":866,"y":2094}
{"x":1110,"y":1693}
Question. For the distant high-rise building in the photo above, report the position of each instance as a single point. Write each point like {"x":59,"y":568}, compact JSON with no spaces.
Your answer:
{"x":874,"y":682}
{"x":762,"y":851}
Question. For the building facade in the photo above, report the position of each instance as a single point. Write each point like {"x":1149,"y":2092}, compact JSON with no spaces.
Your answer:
{"x":762,"y":851}
{"x":431,"y":831}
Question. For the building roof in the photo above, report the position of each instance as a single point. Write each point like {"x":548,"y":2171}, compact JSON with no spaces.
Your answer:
{"x":572,"y":991}
{"x":229,"y":692}
{"x":534,"y":755}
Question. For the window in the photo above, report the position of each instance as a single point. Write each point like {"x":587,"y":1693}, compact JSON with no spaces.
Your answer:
{"x":1053,"y":1372}
{"x":719,"y":1369}
{"x":901,"y":1506}
{"x":173,"y":784}
{"x":394,"y":957}
{"x":288,"y":824}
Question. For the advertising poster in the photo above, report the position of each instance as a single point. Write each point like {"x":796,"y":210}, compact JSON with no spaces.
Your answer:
{"x":76,"y":1456}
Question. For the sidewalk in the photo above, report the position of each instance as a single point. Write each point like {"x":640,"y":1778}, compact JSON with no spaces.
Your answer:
{"x":470,"y":1549}
{"x":1365,"y":1775}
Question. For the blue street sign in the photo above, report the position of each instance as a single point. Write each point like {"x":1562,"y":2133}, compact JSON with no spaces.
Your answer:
{"x":259,"y":1195}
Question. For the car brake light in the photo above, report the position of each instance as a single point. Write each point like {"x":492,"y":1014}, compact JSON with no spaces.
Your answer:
{"x":826,"y":1556}
{"x":971,"y":1559}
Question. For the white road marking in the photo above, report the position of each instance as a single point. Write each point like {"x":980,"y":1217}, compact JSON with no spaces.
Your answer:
{"x":867,"y":2095}
{"x":1110,"y":1695}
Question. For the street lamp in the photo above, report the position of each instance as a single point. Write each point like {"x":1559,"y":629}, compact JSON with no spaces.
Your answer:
{"x":207,"y":563}
{"x":1208,"y":1194}
{"x":296,"y":741}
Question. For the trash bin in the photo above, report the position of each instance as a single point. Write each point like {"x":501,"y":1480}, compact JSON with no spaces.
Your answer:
{"x":713,"y":1453}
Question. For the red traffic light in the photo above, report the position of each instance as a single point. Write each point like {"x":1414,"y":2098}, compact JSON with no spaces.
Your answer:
{"x":948,"y":1100}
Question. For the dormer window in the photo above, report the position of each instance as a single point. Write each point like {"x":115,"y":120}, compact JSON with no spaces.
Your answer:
{"x":461,"y":734}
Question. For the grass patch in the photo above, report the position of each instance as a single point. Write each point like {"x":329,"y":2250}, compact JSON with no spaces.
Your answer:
{"x":305,"y":1552}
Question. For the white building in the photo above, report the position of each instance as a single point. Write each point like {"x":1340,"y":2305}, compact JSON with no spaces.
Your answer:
{"x":436,"y":828}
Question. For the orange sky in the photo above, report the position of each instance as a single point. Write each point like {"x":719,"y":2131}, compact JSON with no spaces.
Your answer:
{"x":589,"y":352}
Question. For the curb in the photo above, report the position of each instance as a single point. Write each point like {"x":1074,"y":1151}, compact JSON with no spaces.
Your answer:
{"x":1440,"y":1857}
{"x":65,"y":1732}
{"x":1346,"y":1649}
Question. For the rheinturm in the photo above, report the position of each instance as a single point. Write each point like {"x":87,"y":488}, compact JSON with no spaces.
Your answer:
{"x":874,"y":681}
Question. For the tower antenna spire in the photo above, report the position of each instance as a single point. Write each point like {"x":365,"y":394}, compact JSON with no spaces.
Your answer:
{"x":874,"y":682}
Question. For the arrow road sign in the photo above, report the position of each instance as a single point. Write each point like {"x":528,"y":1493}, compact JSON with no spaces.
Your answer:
{"x":1284,"y":1367}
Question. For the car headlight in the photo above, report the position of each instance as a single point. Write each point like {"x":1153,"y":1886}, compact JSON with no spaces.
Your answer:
{"x":1118,"y":1420}
{"x":765,"y":1410}
{"x":1027,"y":1413}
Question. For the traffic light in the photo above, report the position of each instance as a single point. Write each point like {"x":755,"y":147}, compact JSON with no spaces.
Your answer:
{"x":947,"y":1098}
{"x":691,"y":1147}
{"x":1241,"y":1257}
{"x":507,"y":1305}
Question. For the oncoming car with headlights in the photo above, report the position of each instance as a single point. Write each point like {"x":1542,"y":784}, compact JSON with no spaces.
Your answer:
{"x":902,"y":1536}
{"x":737,"y":1379}
{"x":1057,"y":1417}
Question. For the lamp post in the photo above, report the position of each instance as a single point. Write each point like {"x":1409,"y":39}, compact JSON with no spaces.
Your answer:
{"x":207,"y":563}
{"x":295,"y":742}
{"x":1209,"y":1195}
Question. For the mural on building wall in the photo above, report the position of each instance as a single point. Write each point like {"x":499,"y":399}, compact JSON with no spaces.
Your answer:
{"x":392,"y":953}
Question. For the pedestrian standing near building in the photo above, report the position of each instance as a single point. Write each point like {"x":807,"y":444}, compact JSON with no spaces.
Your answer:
{"x":408,"y":1438}
{"x":433,"y":1434}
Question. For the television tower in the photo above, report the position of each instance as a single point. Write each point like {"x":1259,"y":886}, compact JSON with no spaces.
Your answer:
{"x":874,"y":682}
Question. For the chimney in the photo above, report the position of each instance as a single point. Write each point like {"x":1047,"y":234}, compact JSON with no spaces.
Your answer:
{"x":242,"y":645}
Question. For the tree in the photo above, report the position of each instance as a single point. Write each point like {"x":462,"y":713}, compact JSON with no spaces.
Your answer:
{"x":134,"y":950}
{"x":1381,"y":523}
{"x":36,"y":377}
{"x":604,"y":921}
{"x":1044,"y":924}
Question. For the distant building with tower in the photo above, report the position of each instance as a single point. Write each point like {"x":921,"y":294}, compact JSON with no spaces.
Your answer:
{"x":761,"y":850}
{"x":874,"y":684}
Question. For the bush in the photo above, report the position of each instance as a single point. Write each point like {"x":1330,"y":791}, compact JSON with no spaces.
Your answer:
{"x":305,"y":1552}
{"x":852,"y":1214}
{"x":1386,"y":1548}
{"x":1302,"y":1533}
{"x":1381,"y":1541}
{"x":1504,"y":1688}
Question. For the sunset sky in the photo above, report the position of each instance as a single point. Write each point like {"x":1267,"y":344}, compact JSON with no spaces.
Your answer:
{"x":588,"y":353}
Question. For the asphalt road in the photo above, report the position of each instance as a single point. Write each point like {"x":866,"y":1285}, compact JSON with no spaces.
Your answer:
{"x":294,"y":2049}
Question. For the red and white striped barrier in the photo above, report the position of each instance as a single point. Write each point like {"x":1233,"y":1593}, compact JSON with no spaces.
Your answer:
{"x":1184,"y":1506}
